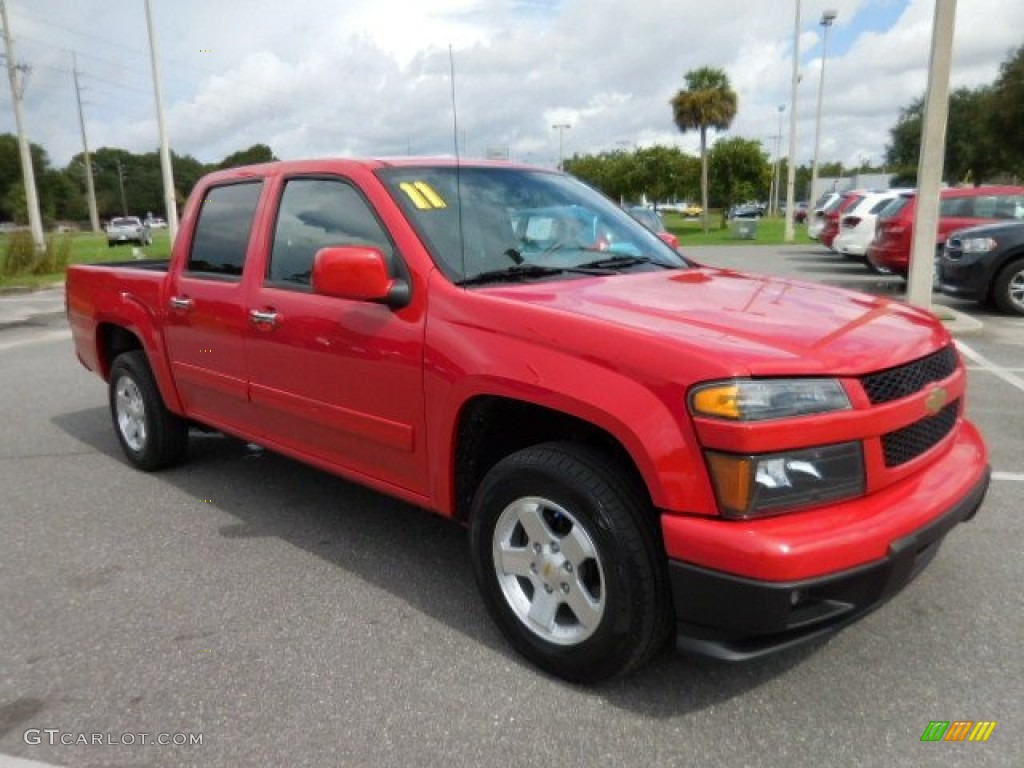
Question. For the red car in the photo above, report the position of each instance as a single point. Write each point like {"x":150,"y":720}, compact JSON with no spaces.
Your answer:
{"x":835,"y":213}
{"x":642,"y":448}
{"x":958,"y":209}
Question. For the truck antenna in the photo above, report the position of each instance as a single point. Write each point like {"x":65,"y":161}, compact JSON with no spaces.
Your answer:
{"x":458,"y":163}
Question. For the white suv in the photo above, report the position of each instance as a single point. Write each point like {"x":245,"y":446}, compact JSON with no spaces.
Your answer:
{"x":857,"y":225}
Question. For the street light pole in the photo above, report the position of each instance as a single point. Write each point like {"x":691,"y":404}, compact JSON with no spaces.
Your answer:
{"x":561,"y":128}
{"x":826,"y":21}
{"x":929,"y":168}
{"x":791,"y":167}
{"x":773,"y":204}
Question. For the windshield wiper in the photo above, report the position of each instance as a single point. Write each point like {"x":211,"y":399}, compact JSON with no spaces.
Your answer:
{"x":621,"y":262}
{"x":522,"y":272}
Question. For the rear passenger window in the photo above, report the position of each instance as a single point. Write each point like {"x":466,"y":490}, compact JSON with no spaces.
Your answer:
{"x":222,"y":230}
{"x":957,"y":206}
{"x":316,"y":213}
{"x":985,"y":207}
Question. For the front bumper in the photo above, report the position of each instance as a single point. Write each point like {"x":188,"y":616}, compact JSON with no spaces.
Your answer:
{"x":735,"y":618}
{"x":965,"y":279}
{"x":894,"y":260}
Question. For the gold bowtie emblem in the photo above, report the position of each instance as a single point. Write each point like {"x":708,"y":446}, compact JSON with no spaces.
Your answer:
{"x":935,"y":400}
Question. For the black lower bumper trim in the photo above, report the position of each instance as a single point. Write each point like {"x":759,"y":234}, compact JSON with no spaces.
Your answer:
{"x":736,"y":618}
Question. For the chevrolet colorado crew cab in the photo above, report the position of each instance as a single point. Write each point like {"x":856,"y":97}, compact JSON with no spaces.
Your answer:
{"x":642,"y":448}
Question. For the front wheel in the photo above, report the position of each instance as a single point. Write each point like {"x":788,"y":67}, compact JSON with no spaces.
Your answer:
{"x":1008,"y":288}
{"x":567,"y":556}
{"x":151,"y":436}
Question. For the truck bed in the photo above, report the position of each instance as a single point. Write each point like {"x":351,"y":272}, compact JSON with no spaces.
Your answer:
{"x":111,"y":292}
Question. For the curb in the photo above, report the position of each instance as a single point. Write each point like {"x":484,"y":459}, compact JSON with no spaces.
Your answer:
{"x":956,"y":322}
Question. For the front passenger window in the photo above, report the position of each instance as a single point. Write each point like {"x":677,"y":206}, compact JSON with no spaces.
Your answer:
{"x":316,"y":213}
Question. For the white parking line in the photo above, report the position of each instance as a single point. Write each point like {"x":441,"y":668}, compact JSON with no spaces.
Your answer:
{"x":987,"y":365}
{"x":1014,"y":476}
{"x":37,"y":339}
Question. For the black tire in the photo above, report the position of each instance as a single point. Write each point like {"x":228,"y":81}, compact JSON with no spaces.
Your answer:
{"x":581,"y":497}
{"x":1007,"y":288}
{"x":151,"y":436}
{"x":875,"y":269}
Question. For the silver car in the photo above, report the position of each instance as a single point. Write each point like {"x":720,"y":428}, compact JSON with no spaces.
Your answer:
{"x":128,"y":229}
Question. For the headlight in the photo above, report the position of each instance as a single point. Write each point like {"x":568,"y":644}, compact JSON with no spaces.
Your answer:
{"x":769,"y":483}
{"x":762,"y":399}
{"x":977,"y":244}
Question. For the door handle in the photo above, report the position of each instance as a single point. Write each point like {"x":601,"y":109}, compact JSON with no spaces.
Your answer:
{"x":181,"y":302}
{"x":263,"y":318}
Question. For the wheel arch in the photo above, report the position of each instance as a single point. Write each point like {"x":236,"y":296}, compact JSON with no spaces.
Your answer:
{"x":490,"y":427}
{"x":114,"y":338}
{"x":1007,"y":260}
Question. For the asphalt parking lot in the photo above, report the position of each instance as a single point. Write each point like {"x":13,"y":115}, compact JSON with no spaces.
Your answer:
{"x":287,"y":617}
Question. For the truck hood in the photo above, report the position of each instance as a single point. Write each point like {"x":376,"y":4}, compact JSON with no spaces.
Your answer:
{"x":750,"y":324}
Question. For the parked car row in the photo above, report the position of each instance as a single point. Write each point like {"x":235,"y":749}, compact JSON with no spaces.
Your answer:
{"x":979,"y":248}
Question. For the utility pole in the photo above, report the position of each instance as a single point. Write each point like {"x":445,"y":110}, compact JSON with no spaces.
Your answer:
{"x":561,"y":128}
{"x":791,"y":167}
{"x":120,"y":183}
{"x":28,"y":175}
{"x":933,"y":146}
{"x":165,"y":153}
{"x":94,"y":219}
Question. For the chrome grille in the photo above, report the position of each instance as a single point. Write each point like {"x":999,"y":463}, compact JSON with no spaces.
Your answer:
{"x":911,"y":441}
{"x":894,"y":383}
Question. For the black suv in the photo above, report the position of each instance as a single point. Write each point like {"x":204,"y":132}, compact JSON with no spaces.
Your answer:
{"x":985,"y":263}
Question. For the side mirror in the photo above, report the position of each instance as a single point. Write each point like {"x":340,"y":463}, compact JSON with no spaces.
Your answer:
{"x":359,"y":273}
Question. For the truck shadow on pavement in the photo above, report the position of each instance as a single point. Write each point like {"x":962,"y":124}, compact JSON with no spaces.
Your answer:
{"x":420,"y":558}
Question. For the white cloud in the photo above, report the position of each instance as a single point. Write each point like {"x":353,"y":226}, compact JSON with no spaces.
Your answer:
{"x":311,"y":77}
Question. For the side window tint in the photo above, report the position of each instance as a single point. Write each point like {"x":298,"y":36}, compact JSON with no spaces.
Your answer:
{"x":1007,"y":207}
{"x":316,"y":213}
{"x":985,"y":207}
{"x":956,"y":206}
{"x":222,"y":230}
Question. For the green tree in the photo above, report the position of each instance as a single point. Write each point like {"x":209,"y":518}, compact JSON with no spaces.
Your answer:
{"x":10,"y":175}
{"x":1005,"y":117}
{"x":707,"y":102}
{"x":971,"y":154}
{"x":257,"y":153}
{"x":742,"y":171}
{"x":659,"y":173}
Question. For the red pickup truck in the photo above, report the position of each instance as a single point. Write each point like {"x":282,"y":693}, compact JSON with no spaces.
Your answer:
{"x":641,"y":447}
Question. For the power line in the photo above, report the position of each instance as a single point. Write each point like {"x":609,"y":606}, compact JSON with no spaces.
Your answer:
{"x":111,"y":43}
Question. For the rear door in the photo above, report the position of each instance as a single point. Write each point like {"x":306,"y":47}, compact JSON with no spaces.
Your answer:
{"x":207,"y":317}
{"x":335,"y":380}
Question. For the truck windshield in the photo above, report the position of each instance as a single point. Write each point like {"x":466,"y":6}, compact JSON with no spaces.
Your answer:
{"x":481,"y":223}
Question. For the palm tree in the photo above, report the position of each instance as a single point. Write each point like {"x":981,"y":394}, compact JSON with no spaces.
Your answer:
{"x":708,"y":102}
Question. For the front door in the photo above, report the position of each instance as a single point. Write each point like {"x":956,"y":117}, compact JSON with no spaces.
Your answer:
{"x":336,"y":380}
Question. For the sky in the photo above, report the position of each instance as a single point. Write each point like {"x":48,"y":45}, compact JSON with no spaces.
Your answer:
{"x":315,"y":78}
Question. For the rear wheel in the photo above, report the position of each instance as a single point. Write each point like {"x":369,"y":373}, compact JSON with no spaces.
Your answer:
{"x":151,"y":436}
{"x":568,"y":559}
{"x":1008,"y":288}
